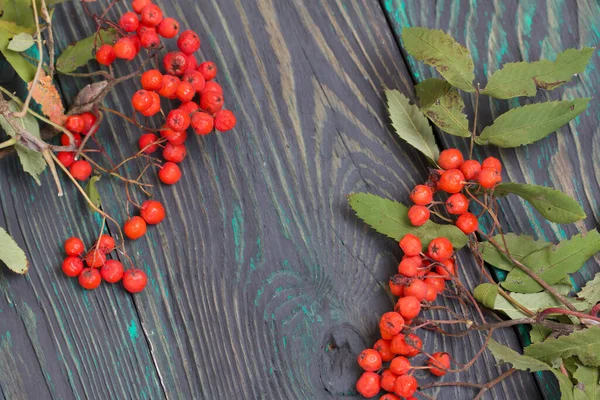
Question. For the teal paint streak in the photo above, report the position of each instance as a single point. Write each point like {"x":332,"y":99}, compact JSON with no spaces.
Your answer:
{"x":133,"y":331}
{"x":237,"y":226}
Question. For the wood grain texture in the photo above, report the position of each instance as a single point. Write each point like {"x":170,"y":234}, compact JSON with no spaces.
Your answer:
{"x":497,"y":32}
{"x":262,"y":282}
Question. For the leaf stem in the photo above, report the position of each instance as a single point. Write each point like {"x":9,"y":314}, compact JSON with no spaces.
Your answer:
{"x":474,"y":133}
{"x":8,"y":143}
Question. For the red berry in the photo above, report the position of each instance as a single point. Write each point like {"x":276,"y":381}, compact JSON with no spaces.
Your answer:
{"x":106,"y":244}
{"x":174,"y":137}
{"x":152,"y":212}
{"x":65,"y":141}
{"x":470,"y":169}
{"x":138,"y":5}
{"x":435,"y":281}
{"x":409,"y":266}
{"x":66,"y":158}
{"x":440,"y":249}
{"x":492,"y":162}
{"x":125,"y":48}
{"x":147,"y":143}
{"x":129,"y":21}
{"x":408,"y":306}
{"x":136,"y":42}
{"x":90,"y":278}
{"x":174,"y":153}
{"x":154,"y":107}
{"x":489,"y":177}
{"x":134,"y":228}
{"x":208,"y":69}
{"x":168,"y":28}
{"x":224,"y":120}
{"x":185,"y":91}
{"x":451,"y":181}
{"x":189,"y":107}
{"x":141,"y":100}
{"x":418,"y":215}
{"x":169,"y":86}
{"x":188,"y":42}
{"x":211,"y":102}
{"x":72,"y":266}
{"x":74,"y":247}
{"x":151,"y":15}
{"x":387,"y":380}
{"x":431,"y":294}
{"x":178,"y":120}
{"x":400,"y":365}
{"x":389,"y":396}
{"x":467,"y":223}
{"x":95,"y":258}
{"x":112,"y":271}
{"x":175,"y":63}
{"x":75,"y":123}
{"x":391,"y":323}
{"x":421,"y":195}
{"x":406,"y":345}
{"x":450,"y":159}
{"x":396,"y":286}
{"x":202,"y":123}
{"x":143,"y":29}
{"x":369,"y":360}
{"x":384,"y":349}
{"x":212,"y":86}
{"x":439,"y":363}
{"x":368,"y":385}
{"x":89,"y":120}
{"x":105,"y":54}
{"x":416,"y":288}
{"x":191,"y":63}
{"x":196,"y":79}
{"x":405,"y":385}
{"x":457,"y":204}
{"x":446,"y":269}
{"x":150,"y":40}
{"x":411,"y":245}
{"x":134,"y":280}
{"x":169,"y":173}
{"x":81,"y":170}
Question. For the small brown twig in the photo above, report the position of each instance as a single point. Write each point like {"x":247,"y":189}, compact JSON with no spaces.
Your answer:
{"x":492,"y":383}
{"x":474,"y":133}
{"x":50,"y":42}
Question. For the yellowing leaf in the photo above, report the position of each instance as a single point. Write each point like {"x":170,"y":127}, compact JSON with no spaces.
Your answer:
{"x":92,"y":191}
{"x":583,"y":344}
{"x":442,"y":104}
{"x":46,"y":94}
{"x":21,"y":42}
{"x":11,"y":254}
{"x":19,"y":12}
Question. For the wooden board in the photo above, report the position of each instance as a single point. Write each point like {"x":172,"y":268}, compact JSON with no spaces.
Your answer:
{"x":262,"y":282}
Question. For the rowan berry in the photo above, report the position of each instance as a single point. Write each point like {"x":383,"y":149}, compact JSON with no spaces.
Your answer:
{"x":191,"y":63}
{"x":154,"y":107}
{"x":134,"y":228}
{"x":406,"y":345}
{"x":196,"y":79}
{"x":492,"y":162}
{"x":174,"y":137}
{"x":212,"y":86}
{"x":185,"y":91}
{"x":405,"y":385}
{"x":451,"y":181}
{"x":169,"y":86}
{"x":174,"y":153}
{"x":90,"y":278}
{"x":75,"y":123}
{"x":467,"y":223}
{"x":224,"y":120}
{"x":450,"y":159}
{"x":147,"y":143}
{"x":202,"y":123}
{"x":435,"y":281}
{"x":188,"y":41}
{"x":457,"y":204}
{"x":137,"y":44}
{"x":151,"y":15}
{"x":409,"y":266}
{"x":470,"y":169}
{"x":106,"y":244}
{"x":138,"y":5}
{"x":81,"y":170}
{"x":384,"y":349}
{"x":439,"y":364}
{"x":125,"y":48}
{"x":389,"y":396}
{"x":143,"y":29}
{"x":446,"y":269}
{"x":391,"y":323}
{"x":89,"y":120}
{"x":421,"y":195}
{"x":396,"y":286}
{"x":66,"y":158}
{"x":168,"y":28}
{"x":431,"y":294}
{"x":211,"y":102}
{"x":368,"y":385}
{"x":74,"y":247}
{"x":112,"y":271}
{"x":369,"y":360}
{"x":152,"y":211}
{"x":208,"y":69}
{"x":141,"y":100}
{"x":65,"y":141}
{"x":178,"y":120}
{"x":408,"y":306}
{"x":105,"y":54}
{"x":134,"y":280}
{"x":416,"y":288}
{"x":150,"y":40}
{"x":95,"y":258}
{"x":489,"y":177}
{"x":418,"y":215}
{"x":129,"y":21}
{"x":169,"y":173}
{"x":440,"y":249}
{"x":72,"y":266}
{"x":387,"y":380}
{"x":189,"y":107}
{"x":175,"y":63}
{"x":400,"y":365}
{"x":411,"y":245}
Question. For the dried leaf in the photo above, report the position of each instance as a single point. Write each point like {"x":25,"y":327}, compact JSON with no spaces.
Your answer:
{"x":442,"y":104}
{"x":46,"y":94}
{"x":11,"y":254}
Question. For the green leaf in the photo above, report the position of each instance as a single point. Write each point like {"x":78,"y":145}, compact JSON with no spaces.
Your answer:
{"x":553,"y":263}
{"x":534,"y":302}
{"x":539,"y":333}
{"x":438,"y":49}
{"x":519,"y":247}
{"x":22,"y":67}
{"x":21,"y":42}
{"x":13,"y":29}
{"x":523,"y":78}
{"x":524,"y":363}
{"x":442,"y":104}
{"x":583,"y":344}
{"x":391,"y":219}
{"x":587,"y":381}
{"x":92,"y":191}
{"x":486,"y":294}
{"x":11,"y":254}
{"x":530,"y":123}
{"x":553,"y":204}
{"x":411,"y":125}
{"x":18,"y":11}
{"x":81,"y":52}
{"x":591,"y":291}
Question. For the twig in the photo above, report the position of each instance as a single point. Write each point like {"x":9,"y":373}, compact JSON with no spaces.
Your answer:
{"x":50,"y":42}
{"x":491,"y":384}
{"x":47,"y":154}
{"x":8,"y":143}
{"x":474,"y":133}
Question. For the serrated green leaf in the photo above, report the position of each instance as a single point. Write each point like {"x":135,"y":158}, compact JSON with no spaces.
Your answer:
{"x":583,"y":344}
{"x":539,"y":333}
{"x":11,"y":254}
{"x":519,"y":247}
{"x":553,"y":204}
{"x":92,"y":191}
{"x":587,"y":381}
{"x":591,"y":291}
{"x":22,"y":67}
{"x":486,"y":294}
{"x":18,"y":11}
{"x":411,"y":125}
{"x":442,"y":104}
{"x":533,"y":302}
{"x":523,"y":78}
{"x":553,"y":263}
{"x":391,"y":219}
{"x":81,"y":52}
{"x":530,"y":123}
{"x":21,"y":42}
{"x":438,"y":49}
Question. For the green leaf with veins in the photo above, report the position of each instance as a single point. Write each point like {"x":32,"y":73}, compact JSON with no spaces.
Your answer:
{"x":442,"y":104}
{"x":519,"y":247}
{"x":11,"y":254}
{"x":584,"y":344}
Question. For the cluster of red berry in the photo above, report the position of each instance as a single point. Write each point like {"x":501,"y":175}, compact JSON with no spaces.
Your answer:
{"x":98,"y":266}
{"x":78,"y":125}
{"x":421,"y":276}
{"x":455,"y":175}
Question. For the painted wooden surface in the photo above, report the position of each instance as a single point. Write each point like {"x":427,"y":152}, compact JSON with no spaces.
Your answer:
{"x":263,"y":283}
